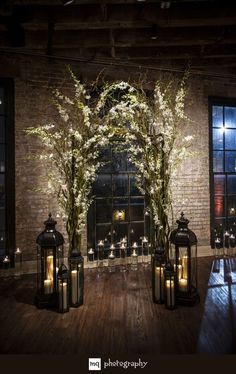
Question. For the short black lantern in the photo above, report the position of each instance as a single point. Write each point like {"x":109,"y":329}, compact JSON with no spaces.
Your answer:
{"x":185,"y":259}
{"x":158,"y":275}
{"x":76,"y":279}
{"x":63,"y":289}
{"x":170,"y":286}
{"x":49,"y":257}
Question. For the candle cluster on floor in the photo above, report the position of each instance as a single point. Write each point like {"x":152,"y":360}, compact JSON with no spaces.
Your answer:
{"x":119,"y":256}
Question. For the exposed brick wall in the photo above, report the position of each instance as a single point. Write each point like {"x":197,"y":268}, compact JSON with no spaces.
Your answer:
{"x":33,"y":81}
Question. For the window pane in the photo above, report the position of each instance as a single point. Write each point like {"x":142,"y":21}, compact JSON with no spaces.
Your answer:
{"x":103,"y":232}
{"x":130,"y":166}
{"x":217,"y":116}
{"x":219,"y":206}
{"x":120,"y":185}
{"x":231,"y":206}
{"x":133,"y":188}
{"x":136,"y":210}
{"x":230,"y":117}
{"x":219,"y":184}
{"x":136,"y":232}
{"x":230,"y":162}
{"x":2,"y":219}
{"x":230,"y":139}
{"x":218,"y":139}
{"x":121,"y":231}
{"x":119,"y":161}
{"x":231,"y":184}
{"x":218,"y":161}
{"x":1,"y":100}
{"x":103,"y":211}
{"x":103,"y":185}
{"x":2,"y":129}
{"x":105,"y":157}
{"x":220,"y":222}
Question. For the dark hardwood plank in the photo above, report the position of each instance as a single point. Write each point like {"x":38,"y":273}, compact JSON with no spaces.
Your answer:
{"x":118,"y":316}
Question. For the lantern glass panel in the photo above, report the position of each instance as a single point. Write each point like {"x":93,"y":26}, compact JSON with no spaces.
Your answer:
{"x":63,"y":295}
{"x":158,"y":278}
{"x":170,"y":293}
{"x":63,"y":289}
{"x":76,"y":281}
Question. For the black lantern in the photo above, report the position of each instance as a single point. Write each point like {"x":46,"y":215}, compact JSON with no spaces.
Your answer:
{"x":49,"y":257}
{"x":185,"y":259}
{"x":158,"y":276}
{"x":170,"y":286}
{"x":76,"y":279}
{"x":63,"y":289}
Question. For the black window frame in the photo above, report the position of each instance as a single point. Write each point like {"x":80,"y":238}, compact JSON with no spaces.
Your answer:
{"x":8,"y":86}
{"x":224,"y":102}
{"x":91,"y":221}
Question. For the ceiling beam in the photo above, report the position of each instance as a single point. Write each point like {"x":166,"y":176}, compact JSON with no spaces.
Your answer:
{"x":118,"y":16}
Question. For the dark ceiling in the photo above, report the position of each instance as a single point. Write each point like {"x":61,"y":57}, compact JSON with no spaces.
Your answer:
{"x":150,"y":33}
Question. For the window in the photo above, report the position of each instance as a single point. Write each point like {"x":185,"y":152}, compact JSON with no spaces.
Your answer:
{"x":7,"y":182}
{"x":118,"y":209}
{"x":223,"y":165}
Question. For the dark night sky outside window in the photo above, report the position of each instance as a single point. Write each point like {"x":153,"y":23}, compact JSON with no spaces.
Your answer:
{"x":223,"y":166}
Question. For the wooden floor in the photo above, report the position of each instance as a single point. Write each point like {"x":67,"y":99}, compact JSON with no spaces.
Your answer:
{"x":118,"y":315}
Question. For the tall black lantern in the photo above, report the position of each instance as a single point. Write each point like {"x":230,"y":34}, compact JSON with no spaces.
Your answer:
{"x":49,"y":257}
{"x":185,"y":262}
{"x":63,"y":289}
{"x":76,"y":279}
{"x":158,"y":265}
{"x":170,"y":286}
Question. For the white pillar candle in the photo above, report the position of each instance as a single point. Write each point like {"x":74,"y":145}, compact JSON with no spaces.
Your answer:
{"x":74,"y":287}
{"x":183,"y":285}
{"x":185,"y":266}
{"x":49,"y":270}
{"x":48,"y":286}
{"x":159,"y":283}
{"x":179,"y":271}
{"x":63,"y":303}
{"x":170,"y":292}
{"x":134,"y":260}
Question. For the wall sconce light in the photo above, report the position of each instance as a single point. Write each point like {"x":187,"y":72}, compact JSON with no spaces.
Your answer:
{"x":232,"y":211}
{"x":119,"y":215}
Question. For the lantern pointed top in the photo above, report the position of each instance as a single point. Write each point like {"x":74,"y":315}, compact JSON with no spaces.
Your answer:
{"x":50,"y":223}
{"x":182,"y":221}
{"x":62,"y":270}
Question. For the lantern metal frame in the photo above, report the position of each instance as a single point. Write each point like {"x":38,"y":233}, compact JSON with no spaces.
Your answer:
{"x":76,"y":273}
{"x":170,"y":286}
{"x":49,"y":243}
{"x":63,"y":304}
{"x":184,"y":238}
{"x":158,"y":262}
